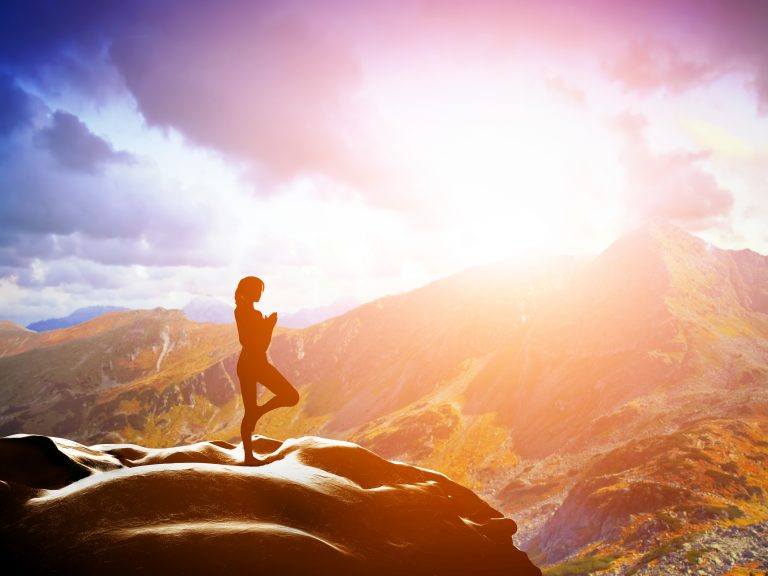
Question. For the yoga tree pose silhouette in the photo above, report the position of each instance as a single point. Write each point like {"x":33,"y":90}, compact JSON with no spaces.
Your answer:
{"x":255,"y":332}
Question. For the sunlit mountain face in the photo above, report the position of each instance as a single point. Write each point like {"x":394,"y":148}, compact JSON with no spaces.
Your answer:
{"x":152,"y":154}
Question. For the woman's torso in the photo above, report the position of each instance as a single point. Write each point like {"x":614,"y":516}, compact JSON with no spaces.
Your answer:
{"x":253,"y":332}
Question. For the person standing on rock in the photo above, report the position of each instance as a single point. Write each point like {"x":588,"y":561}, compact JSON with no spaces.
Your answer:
{"x":255,"y":332}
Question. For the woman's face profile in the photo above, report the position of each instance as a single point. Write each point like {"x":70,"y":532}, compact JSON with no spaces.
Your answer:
{"x":255,"y":292}
{"x":258,"y":292}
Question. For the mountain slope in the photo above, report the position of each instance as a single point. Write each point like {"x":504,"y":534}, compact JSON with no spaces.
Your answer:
{"x":15,"y":338}
{"x":118,"y":371}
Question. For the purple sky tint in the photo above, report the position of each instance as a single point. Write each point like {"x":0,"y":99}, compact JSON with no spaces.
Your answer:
{"x":154,"y":151}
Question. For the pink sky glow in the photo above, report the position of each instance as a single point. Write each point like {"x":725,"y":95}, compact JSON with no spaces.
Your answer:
{"x":151,"y":153}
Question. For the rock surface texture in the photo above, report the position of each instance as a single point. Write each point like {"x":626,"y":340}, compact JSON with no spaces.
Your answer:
{"x":313,"y":506}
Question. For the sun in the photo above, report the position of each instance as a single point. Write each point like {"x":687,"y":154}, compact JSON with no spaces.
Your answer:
{"x":514,"y":169}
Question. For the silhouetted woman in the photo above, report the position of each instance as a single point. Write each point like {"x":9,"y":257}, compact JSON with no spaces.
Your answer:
{"x":255,"y":333}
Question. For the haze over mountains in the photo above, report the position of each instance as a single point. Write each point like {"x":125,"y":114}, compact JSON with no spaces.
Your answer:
{"x":202,"y":309}
{"x":615,"y":406}
{"x":210,"y":309}
{"x":77,"y":317}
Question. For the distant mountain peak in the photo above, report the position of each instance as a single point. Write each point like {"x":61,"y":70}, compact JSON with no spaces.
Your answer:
{"x":659,"y":229}
{"x":9,"y":326}
{"x":309,"y":316}
{"x":77,"y":317}
{"x":209,"y":309}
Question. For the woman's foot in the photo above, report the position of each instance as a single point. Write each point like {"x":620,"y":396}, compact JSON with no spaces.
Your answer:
{"x":251,"y":460}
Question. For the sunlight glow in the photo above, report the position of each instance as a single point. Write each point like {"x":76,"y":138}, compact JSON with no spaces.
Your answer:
{"x":507,"y":166}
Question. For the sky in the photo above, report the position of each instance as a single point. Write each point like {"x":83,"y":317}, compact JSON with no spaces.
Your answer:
{"x":154,"y":151}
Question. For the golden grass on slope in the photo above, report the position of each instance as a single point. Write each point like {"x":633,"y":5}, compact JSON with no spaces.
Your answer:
{"x":191,"y":350}
{"x":184,"y":423}
{"x":434,"y":432}
{"x":478,"y":446}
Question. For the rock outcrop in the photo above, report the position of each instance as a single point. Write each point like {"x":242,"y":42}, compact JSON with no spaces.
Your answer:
{"x":313,"y":506}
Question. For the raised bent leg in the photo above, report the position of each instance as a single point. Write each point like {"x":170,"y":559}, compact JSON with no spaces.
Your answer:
{"x":284,"y":393}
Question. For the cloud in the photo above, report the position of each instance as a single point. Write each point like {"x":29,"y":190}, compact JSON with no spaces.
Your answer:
{"x":272,"y":88}
{"x":15,"y":106}
{"x":51,"y":289}
{"x":646,"y":66}
{"x":282,"y":83}
{"x":67,"y":193}
{"x":671,"y":185}
{"x":567,"y":91}
{"x":322,"y":92}
{"x":39,"y":198}
{"x":256,"y":80}
{"x":75,"y":147}
{"x":69,"y":271}
{"x":58,"y":45}
{"x":679,"y":44}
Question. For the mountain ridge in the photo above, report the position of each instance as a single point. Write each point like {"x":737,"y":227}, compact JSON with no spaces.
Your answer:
{"x":512,"y":380}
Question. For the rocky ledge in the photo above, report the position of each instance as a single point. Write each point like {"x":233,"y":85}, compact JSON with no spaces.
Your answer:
{"x":312,"y":506}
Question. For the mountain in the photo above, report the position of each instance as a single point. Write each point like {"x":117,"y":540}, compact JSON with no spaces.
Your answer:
{"x":517,"y":380}
{"x":313,"y":506}
{"x":308,"y":316}
{"x":209,"y":309}
{"x":121,"y":372}
{"x":77,"y":317}
{"x":14,"y":338}
{"x":670,"y":493}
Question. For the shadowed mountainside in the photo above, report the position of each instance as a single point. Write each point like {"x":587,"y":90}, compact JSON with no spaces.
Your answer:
{"x":314,"y":506}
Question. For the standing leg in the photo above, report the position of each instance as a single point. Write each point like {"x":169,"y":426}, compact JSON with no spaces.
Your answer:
{"x":248,"y":390}
{"x":246,"y":431}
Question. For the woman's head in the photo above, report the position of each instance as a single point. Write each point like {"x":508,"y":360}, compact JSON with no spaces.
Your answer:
{"x":249,"y":290}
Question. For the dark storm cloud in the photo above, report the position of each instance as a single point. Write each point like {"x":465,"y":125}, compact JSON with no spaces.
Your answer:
{"x":76,"y":147}
{"x":669,"y":185}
